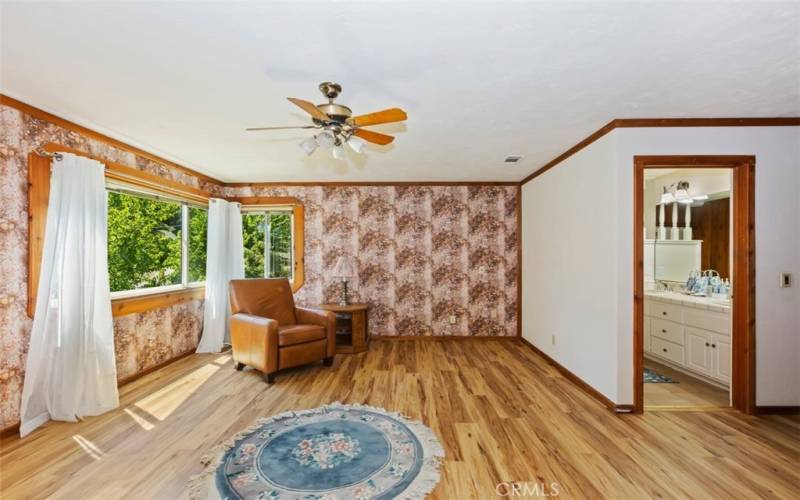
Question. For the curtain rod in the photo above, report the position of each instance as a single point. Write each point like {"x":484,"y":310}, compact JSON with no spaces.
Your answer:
{"x":58,"y":156}
{"x":42,"y":152}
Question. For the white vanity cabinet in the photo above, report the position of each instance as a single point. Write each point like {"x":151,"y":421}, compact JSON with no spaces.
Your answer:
{"x":689,"y":336}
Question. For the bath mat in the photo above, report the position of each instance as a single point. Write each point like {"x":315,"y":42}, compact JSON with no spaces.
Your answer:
{"x":651,"y":377}
{"x":334,"y":451}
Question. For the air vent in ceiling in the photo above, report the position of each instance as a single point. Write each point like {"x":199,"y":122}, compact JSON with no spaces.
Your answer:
{"x":512,"y":159}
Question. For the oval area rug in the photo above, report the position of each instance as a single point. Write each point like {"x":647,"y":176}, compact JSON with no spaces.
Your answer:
{"x":335,"y":451}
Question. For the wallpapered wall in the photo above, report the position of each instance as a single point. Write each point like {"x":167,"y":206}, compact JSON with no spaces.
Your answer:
{"x":423,"y":254}
{"x":141,"y":340}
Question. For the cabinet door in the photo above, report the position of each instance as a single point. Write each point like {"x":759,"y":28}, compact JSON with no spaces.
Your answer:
{"x":721,"y":350}
{"x":699,"y":355}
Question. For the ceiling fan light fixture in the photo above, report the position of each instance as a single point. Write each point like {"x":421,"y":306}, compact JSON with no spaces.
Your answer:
{"x":326,"y":139}
{"x":338,"y":153}
{"x":309,"y":145}
{"x":356,"y":143}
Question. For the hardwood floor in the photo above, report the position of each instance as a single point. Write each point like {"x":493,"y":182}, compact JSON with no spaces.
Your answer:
{"x":502,"y":413}
{"x":689,"y":391}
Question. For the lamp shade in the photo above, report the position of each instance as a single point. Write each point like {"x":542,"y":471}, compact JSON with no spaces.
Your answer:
{"x":326,"y":139}
{"x":309,"y":145}
{"x":338,"y":153}
{"x":344,"y":267}
{"x":355,"y":143}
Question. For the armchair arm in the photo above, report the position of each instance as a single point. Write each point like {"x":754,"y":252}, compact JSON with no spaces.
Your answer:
{"x":255,"y":341}
{"x":322,"y":318}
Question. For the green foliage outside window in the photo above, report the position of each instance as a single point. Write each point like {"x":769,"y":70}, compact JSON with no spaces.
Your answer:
{"x":144,"y":242}
{"x":198,"y":232}
{"x":253,"y":235}
{"x":279,"y":254}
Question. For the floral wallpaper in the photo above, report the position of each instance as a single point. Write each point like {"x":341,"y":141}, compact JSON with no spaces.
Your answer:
{"x":424,"y":254}
{"x":141,"y":340}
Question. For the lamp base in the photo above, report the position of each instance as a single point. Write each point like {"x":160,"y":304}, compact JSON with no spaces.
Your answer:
{"x":343,"y":299}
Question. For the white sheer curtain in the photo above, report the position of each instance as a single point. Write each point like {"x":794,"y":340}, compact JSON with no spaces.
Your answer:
{"x":71,"y":370}
{"x":224,"y":262}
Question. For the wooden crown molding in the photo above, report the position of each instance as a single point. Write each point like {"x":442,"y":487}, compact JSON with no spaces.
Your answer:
{"x":662,"y":122}
{"x":49,"y":117}
{"x":613,"y":124}
{"x":367,"y":183}
{"x":61,"y":122}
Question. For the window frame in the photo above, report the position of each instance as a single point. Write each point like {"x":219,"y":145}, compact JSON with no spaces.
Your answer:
{"x":185,"y":284}
{"x":263,"y":204}
{"x":38,"y":196}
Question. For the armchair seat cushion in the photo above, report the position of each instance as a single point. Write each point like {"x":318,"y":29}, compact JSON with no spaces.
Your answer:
{"x":299,"y":334}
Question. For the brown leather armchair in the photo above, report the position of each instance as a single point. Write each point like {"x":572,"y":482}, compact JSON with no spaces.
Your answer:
{"x":269,"y":333}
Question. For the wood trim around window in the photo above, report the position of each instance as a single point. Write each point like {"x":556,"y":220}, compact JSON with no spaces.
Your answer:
{"x":138,"y":178}
{"x":298,"y":229}
{"x":142,"y":303}
{"x":39,"y":196}
{"x":743,"y":360}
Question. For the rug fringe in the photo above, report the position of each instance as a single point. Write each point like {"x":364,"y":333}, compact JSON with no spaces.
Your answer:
{"x":201,"y":486}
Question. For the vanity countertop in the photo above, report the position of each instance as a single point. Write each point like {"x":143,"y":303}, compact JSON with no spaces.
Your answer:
{"x":708,"y":303}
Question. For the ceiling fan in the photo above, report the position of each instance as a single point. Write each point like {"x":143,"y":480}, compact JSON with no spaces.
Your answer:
{"x":338,"y":125}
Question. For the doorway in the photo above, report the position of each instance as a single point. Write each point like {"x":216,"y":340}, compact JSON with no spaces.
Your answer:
{"x":696,"y":342}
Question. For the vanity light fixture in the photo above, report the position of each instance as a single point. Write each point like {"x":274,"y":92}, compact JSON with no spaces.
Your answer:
{"x":679,"y":191}
{"x":667,"y":197}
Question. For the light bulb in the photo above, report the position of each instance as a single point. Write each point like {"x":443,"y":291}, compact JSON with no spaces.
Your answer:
{"x":326,"y":139}
{"x":338,"y":153}
{"x":356,"y":143}
{"x":309,"y":145}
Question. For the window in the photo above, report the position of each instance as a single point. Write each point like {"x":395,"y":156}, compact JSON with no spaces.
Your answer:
{"x":154,"y":242}
{"x":198,"y":232}
{"x":268,"y":249}
{"x":272,"y":230}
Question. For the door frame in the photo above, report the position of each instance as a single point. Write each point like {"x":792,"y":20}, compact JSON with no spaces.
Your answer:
{"x":743,"y":361}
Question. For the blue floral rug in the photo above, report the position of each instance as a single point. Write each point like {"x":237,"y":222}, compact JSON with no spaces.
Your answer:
{"x":333,"y":452}
{"x":651,"y":377}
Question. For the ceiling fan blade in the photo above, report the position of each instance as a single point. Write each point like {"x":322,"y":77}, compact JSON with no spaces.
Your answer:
{"x":386,"y":116}
{"x":254,"y":129}
{"x":373,"y":137}
{"x":310,"y":109}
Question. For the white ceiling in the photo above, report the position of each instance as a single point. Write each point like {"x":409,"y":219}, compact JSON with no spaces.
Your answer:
{"x":479,"y":80}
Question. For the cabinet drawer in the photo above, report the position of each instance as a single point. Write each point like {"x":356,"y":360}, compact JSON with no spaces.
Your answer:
{"x":666,"y":349}
{"x":664,"y":310}
{"x":707,"y":320}
{"x":667,"y":330}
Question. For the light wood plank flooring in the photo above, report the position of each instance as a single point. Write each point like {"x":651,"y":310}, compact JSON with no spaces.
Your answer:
{"x":689,"y":391}
{"x":502,"y":413}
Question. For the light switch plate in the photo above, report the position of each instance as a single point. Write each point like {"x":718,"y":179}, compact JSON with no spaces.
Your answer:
{"x":453,"y":319}
{"x":786,"y":280}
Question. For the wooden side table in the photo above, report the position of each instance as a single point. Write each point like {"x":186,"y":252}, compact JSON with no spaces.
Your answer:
{"x":352,"y":331}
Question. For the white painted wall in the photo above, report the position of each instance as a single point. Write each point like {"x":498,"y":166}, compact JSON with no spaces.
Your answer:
{"x":577,"y":270}
{"x":569,"y":275}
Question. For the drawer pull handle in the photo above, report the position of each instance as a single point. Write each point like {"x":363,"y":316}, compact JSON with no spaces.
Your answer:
{"x":714,"y":346}
{"x":706,"y":344}
{"x":663,"y":330}
{"x":665,"y":349}
{"x":664,"y":313}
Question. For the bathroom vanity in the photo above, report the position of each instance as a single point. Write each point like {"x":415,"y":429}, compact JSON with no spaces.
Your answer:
{"x":690,"y":334}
